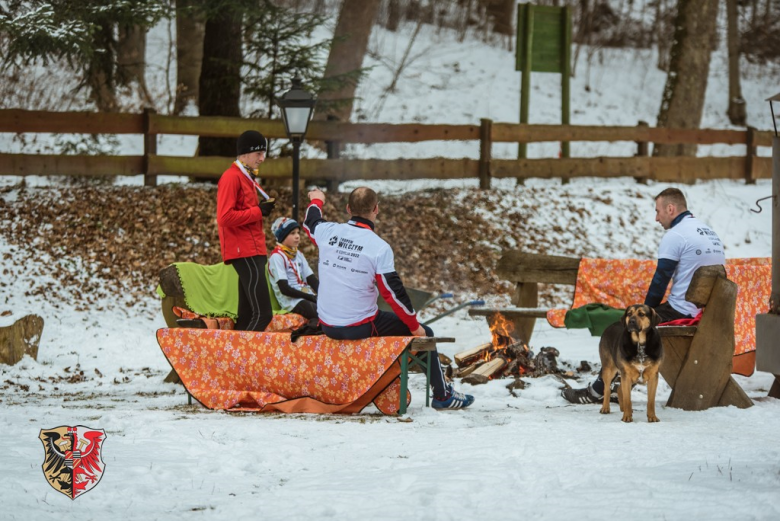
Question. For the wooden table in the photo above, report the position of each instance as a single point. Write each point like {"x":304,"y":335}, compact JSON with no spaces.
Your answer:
{"x":411,"y":356}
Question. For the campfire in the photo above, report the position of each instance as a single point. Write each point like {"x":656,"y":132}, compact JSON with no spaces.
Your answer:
{"x":504,"y":356}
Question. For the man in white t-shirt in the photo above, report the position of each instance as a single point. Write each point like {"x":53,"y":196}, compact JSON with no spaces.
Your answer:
{"x":687,"y":245}
{"x":355,"y":266}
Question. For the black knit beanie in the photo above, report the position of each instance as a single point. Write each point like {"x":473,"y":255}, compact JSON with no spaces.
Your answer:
{"x":251,"y":141}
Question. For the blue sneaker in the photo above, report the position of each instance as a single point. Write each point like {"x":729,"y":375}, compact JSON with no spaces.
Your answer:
{"x":453,"y":400}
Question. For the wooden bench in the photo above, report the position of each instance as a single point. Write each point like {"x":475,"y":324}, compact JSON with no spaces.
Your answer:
{"x":527,"y":271}
{"x":698,"y":360}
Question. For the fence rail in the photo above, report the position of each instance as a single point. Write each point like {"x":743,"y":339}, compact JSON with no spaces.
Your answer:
{"x":748,"y":167}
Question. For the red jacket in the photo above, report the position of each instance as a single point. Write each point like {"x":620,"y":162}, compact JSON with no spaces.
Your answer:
{"x":238,"y":216}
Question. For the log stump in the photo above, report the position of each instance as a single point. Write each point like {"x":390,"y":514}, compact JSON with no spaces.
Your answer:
{"x":21,"y":338}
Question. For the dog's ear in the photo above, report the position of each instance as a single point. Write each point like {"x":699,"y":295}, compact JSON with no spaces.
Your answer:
{"x":624,"y":318}
{"x":654,"y":318}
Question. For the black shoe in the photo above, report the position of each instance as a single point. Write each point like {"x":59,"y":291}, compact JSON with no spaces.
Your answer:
{"x":578,"y":396}
{"x":192,"y":323}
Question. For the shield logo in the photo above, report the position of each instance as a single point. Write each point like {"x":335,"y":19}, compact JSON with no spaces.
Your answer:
{"x":73,"y":462}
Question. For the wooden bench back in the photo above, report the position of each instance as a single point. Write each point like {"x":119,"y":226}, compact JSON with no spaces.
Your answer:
{"x":702,"y":284}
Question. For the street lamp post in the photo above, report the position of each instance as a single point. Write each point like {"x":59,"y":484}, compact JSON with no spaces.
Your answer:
{"x":297,"y":107}
{"x":768,"y":324}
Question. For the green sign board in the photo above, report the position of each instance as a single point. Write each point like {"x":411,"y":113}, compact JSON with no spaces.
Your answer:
{"x":547,"y":27}
{"x":543,"y":45}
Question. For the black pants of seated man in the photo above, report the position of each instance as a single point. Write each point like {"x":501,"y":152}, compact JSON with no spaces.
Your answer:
{"x":254,"y":302}
{"x":666,"y":313}
{"x":306,"y":308}
{"x":388,"y":324}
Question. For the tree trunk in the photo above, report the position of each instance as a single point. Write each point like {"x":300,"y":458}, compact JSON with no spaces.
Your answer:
{"x":393,"y":15}
{"x":347,"y":51}
{"x":100,"y":75}
{"x":190,"y":28}
{"x":131,"y":59}
{"x":663,"y":31}
{"x":737,"y":110}
{"x":219,"y":89}
{"x":683,"y":97}
{"x":502,"y":13}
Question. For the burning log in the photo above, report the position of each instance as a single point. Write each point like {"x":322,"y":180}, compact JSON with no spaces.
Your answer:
{"x":465,"y":371}
{"x":482,"y":374}
{"x":465,"y":358}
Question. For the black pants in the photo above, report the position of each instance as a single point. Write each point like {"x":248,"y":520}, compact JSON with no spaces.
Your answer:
{"x":254,"y":302}
{"x":388,"y":324}
{"x":666,"y":313}
{"x":306,"y":308}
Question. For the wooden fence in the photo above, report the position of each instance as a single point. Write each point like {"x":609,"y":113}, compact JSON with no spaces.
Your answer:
{"x":748,"y":167}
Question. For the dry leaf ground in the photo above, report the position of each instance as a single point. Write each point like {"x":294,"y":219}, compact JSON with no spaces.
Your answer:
{"x":106,"y":243}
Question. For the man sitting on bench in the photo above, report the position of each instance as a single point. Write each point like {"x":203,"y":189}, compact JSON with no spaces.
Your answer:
{"x":687,"y":245}
{"x":353,"y":262}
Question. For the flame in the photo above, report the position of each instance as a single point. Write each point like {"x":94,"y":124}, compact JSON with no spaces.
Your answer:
{"x":501,"y":329}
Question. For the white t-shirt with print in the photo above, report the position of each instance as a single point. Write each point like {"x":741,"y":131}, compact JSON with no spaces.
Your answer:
{"x":350,"y":259}
{"x":294,"y":271}
{"x":692,"y":244}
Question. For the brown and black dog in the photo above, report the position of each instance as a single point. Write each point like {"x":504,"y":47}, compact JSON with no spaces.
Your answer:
{"x":632,"y":347}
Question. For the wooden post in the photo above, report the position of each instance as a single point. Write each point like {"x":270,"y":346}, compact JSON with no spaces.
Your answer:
{"x":750,"y":141}
{"x":526,"y":295}
{"x":565,"y":76}
{"x":525,"y":82}
{"x":642,"y":150}
{"x":150,"y":147}
{"x":485,"y":152}
{"x":334,"y":152}
{"x":775,"y":293}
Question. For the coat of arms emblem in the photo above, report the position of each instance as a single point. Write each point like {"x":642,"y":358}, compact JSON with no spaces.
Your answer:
{"x":73,"y":461}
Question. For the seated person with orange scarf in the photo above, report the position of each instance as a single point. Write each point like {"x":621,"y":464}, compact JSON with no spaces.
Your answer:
{"x":294,"y":283}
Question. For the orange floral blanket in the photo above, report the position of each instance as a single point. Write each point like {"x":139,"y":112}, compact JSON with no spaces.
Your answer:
{"x":621,"y":282}
{"x":250,"y":371}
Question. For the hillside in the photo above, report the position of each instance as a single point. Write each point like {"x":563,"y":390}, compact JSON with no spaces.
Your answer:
{"x":79,"y":244}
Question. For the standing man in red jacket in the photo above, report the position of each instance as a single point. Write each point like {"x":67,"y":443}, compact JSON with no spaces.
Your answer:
{"x":241,"y":207}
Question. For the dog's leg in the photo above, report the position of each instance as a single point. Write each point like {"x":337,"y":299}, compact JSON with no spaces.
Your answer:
{"x":628,"y":411}
{"x":608,"y":372}
{"x":627,"y":380}
{"x":652,"y":386}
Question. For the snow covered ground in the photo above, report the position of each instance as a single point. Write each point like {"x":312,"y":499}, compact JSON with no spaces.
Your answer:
{"x":532,"y":456}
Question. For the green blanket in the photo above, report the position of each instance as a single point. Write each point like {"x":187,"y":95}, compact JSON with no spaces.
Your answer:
{"x":212,"y":291}
{"x":594,"y":317}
